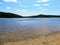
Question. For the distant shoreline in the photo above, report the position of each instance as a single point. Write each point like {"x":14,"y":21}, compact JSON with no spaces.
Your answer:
{"x":11,"y":15}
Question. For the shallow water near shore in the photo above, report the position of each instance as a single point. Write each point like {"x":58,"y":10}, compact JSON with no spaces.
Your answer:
{"x":18,"y":29}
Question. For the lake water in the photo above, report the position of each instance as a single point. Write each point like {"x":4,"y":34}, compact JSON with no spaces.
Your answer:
{"x":29,"y":24}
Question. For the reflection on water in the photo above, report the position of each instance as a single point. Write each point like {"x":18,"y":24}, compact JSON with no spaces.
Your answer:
{"x":42,"y":24}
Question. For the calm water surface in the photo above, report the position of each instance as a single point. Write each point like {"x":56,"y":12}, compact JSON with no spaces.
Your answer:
{"x":29,"y":24}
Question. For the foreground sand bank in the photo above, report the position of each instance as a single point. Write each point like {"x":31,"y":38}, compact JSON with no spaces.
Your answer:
{"x":51,"y":39}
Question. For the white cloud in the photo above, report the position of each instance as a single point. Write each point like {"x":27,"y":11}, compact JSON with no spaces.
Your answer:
{"x":40,"y":7}
{"x":44,"y":9}
{"x":36,"y":5}
{"x":8,"y":8}
{"x":42,"y":1}
{"x":10,"y":0}
{"x":24,"y":10}
{"x":45,"y":4}
{"x":18,"y":10}
{"x":0,"y":2}
{"x":38,"y":1}
{"x":23,"y":6}
{"x":45,"y":0}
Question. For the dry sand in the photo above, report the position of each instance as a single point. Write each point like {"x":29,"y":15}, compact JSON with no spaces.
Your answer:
{"x":51,"y":39}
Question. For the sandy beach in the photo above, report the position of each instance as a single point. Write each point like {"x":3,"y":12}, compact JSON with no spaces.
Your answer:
{"x":50,"y":39}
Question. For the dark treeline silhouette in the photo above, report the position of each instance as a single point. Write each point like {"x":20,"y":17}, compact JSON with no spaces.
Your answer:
{"x":44,"y":16}
{"x":11,"y":15}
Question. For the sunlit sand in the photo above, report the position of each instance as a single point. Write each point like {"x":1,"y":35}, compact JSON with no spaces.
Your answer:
{"x":50,"y":39}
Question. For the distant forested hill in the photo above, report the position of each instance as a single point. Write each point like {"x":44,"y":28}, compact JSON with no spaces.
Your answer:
{"x":9,"y":15}
{"x":44,"y":16}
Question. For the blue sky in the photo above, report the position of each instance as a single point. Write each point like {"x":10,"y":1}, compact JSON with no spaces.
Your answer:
{"x":30,"y":7}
